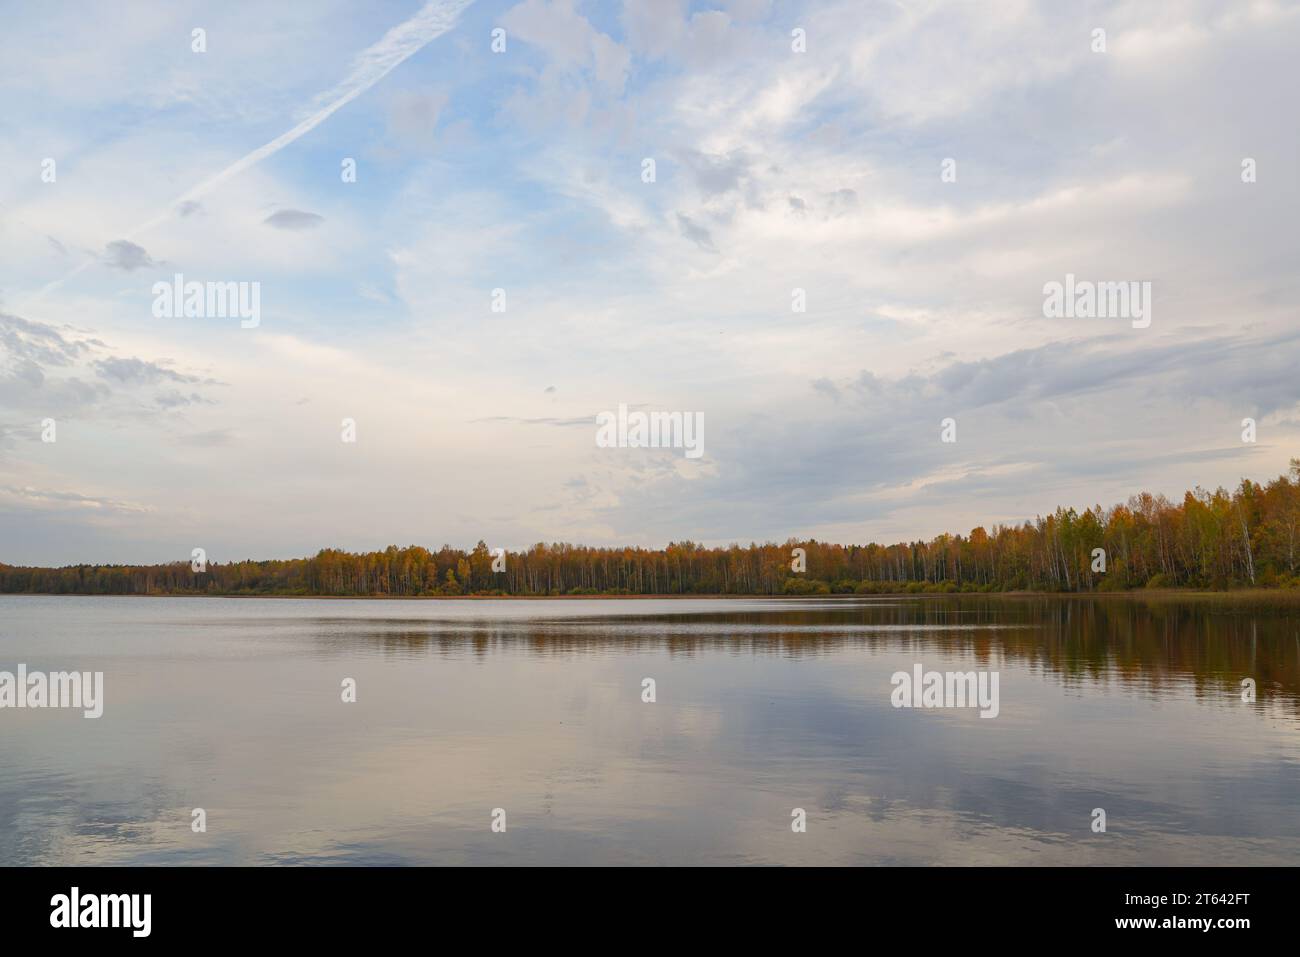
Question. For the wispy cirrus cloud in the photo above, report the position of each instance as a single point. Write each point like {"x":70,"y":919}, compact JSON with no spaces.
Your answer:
{"x":368,"y":67}
{"x":48,"y":498}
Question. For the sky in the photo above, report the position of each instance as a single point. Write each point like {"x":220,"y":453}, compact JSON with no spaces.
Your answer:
{"x":504,"y":268}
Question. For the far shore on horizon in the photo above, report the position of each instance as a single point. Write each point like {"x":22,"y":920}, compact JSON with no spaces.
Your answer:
{"x":1263,"y":595}
{"x":1215,"y":542}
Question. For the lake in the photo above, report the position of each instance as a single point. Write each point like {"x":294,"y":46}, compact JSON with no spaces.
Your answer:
{"x":531,"y":713}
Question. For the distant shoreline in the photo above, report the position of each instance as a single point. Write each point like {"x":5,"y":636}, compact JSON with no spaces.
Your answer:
{"x":1275,"y":595}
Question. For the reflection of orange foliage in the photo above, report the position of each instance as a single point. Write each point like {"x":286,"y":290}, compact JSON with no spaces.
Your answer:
{"x":1160,"y":642}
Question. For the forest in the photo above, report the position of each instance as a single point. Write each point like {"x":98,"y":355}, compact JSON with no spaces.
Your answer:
{"x":1248,"y":537}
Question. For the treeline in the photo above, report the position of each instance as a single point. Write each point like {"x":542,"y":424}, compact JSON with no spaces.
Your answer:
{"x":1220,"y":540}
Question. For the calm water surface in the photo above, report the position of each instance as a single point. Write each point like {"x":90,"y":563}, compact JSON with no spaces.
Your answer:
{"x":234,"y":705}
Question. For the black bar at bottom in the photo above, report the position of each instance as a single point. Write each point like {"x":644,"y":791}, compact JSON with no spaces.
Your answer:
{"x":978,"y":906}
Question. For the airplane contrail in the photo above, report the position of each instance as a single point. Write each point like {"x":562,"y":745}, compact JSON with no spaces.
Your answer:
{"x":368,"y":67}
